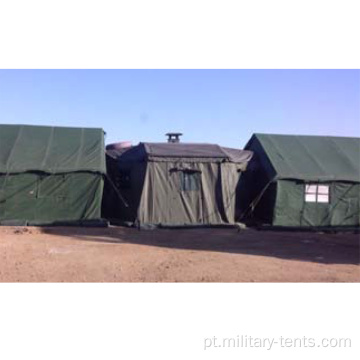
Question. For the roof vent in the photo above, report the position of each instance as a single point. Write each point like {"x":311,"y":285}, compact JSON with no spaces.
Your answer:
{"x":173,"y":137}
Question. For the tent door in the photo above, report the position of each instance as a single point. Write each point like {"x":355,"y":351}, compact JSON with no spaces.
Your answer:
{"x":186,"y":203}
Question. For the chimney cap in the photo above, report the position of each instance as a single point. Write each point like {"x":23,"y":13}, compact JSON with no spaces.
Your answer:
{"x":173,"y":137}
{"x":174,"y":133}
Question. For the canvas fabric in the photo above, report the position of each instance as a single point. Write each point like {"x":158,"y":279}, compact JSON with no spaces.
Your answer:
{"x":292,"y":210}
{"x":175,"y":184}
{"x":282,"y":166}
{"x":165,"y":202}
{"x":52,"y":150}
{"x":38,"y":199}
{"x":312,"y":158}
{"x":50,"y":175}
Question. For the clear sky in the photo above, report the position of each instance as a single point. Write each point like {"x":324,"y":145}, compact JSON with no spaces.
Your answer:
{"x":215,"y":106}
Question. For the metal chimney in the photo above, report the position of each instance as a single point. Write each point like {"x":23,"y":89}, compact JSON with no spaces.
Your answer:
{"x":173,"y":137}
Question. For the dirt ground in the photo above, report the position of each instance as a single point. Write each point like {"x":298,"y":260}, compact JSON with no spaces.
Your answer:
{"x":118,"y":254}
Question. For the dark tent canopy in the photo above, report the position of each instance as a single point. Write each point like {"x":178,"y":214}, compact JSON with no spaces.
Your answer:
{"x":211,"y":152}
{"x":176,"y":184}
{"x":302,"y":181}
{"x":50,"y":175}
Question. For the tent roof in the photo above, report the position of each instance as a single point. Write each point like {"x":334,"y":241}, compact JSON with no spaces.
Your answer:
{"x":51,"y":149}
{"x":185,"y":150}
{"x":312,"y":157}
{"x":116,"y":153}
{"x":191,"y":150}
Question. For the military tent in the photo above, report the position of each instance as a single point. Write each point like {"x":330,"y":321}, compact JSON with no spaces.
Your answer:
{"x":302,"y":181}
{"x":50,"y":175}
{"x":175,"y":184}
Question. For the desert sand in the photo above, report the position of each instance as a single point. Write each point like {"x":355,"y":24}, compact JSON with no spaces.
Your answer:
{"x":118,"y":254}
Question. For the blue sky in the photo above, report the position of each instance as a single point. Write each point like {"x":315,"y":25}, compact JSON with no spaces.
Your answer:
{"x":216,"y":106}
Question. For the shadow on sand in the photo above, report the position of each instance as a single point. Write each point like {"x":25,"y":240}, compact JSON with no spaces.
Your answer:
{"x":302,"y":246}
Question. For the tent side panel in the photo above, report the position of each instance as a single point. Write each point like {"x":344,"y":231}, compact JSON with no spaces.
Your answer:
{"x":213,"y":207}
{"x":289,"y":204}
{"x":264,"y":209}
{"x":165,"y":200}
{"x":134,"y":197}
{"x":292,"y":210}
{"x":45,"y":199}
{"x":128,"y":178}
{"x":345,"y":204}
{"x":85,"y":192}
{"x":110,"y":205}
{"x":230,"y":176}
{"x":154,"y":204}
{"x":255,"y":186}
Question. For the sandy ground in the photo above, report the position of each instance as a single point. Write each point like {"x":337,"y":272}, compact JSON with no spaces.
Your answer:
{"x":119,"y":254}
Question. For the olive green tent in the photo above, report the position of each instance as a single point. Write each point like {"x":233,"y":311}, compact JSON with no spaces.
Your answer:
{"x":50,"y":175}
{"x":175,"y":184}
{"x":302,"y":181}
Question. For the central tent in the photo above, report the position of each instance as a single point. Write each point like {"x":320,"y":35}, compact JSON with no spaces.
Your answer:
{"x":175,"y":184}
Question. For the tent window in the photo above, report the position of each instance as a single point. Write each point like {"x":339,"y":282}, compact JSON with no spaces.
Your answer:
{"x":317,"y":193}
{"x":190,"y":181}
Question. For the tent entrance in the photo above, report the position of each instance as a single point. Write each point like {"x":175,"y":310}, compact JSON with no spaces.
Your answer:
{"x":186,"y":204}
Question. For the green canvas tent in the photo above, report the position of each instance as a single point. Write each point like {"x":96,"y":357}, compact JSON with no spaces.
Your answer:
{"x":50,"y":175}
{"x":175,"y":184}
{"x":302,"y":181}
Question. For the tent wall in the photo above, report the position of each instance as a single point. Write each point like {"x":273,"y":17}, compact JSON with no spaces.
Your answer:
{"x":256,"y":186}
{"x":123,"y":194}
{"x":230,"y":178}
{"x":39,"y":198}
{"x":292,"y":210}
{"x":109,"y":206}
{"x":264,"y":208}
{"x":210,"y":201}
{"x":345,"y":208}
{"x":131,"y":189}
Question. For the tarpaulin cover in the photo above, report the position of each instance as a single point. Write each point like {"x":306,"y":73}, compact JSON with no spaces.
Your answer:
{"x":199,"y":152}
{"x":292,"y":210}
{"x":313,"y":157}
{"x":35,"y":199}
{"x":50,"y":175}
{"x":164,"y":200}
{"x":51,"y":149}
